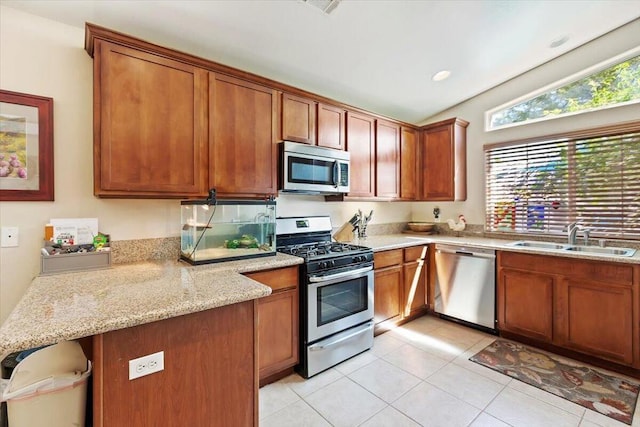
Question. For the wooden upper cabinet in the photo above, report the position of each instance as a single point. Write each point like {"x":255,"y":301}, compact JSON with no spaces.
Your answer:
{"x":408,"y":163}
{"x":150,"y":125}
{"x":387,"y":159}
{"x":361,"y":146}
{"x":443,"y":157}
{"x":243,"y":123}
{"x":298,"y":119}
{"x":331,"y":126}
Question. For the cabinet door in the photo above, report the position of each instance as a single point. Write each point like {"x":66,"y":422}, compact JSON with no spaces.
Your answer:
{"x":242,"y":137}
{"x":597,"y":319}
{"x":444,"y":157}
{"x":415,"y":280}
{"x":415,"y":284}
{"x":408,"y":164}
{"x":331,"y":126}
{"x":277,"y":322}
{"x":525,"y":304}
{"x":298,"y":119}
{"x":387,"y":159}
{"x":361,"y":147}
{"x":437,"y":171}
{"x":150,"y":125}
{"x":388,"y":293}
{"x":277,"y":332}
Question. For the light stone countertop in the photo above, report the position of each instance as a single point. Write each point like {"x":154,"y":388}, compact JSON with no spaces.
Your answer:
{"x":395,"y":241}
{"x":79,"y":304}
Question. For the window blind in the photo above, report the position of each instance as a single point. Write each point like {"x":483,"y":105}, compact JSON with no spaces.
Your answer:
{"x":541,"y":186}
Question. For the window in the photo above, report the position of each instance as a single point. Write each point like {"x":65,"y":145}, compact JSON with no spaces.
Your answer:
{"x":612,"y":83}
{"x":592,"y":177}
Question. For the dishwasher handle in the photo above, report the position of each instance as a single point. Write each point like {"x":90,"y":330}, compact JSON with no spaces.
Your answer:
{"x":470,"y":252}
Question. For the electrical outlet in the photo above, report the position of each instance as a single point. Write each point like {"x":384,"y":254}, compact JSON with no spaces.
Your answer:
{"x":9,"y":237}
{"x":146,"y":365}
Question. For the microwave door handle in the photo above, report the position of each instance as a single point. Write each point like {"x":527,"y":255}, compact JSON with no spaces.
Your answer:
{"x":336,"y":169}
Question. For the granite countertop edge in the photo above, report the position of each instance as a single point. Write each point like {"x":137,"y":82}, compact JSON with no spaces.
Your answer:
{"x":399,"y":241}
{"x":78,"y":304}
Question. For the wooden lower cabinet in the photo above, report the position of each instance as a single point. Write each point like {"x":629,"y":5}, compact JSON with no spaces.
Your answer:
{"x":277,"y":323}
{"x":209,"y":376}
{"x":415,"y":280}
{"x":525,"y":304}
{"x":388,"y":293}
{"x":589,"y":308}
{"x":597,"y":319}
{"x":400,"y":284}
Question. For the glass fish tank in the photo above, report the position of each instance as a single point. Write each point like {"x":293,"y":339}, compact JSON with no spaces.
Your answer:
{"x":224,"y":230}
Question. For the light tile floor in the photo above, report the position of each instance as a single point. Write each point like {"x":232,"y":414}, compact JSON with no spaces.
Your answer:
{"x":419,"y":375}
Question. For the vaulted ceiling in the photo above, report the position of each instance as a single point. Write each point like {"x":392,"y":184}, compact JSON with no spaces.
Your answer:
{"x":379,"y":55}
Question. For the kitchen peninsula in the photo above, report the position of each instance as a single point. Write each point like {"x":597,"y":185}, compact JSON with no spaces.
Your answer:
{"x":203,"y":318}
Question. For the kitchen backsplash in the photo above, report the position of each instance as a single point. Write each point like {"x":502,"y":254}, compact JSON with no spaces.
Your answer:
{"x":167,"y":248}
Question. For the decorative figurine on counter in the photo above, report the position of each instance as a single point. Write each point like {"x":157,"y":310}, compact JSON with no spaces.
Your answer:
{"x":460,"y":225}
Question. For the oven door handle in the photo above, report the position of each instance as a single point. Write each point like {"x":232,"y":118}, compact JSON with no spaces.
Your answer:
{"x":319,"y":279}
{"x":323,"y":346}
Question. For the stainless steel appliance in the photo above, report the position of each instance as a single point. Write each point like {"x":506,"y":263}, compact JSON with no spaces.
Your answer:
{"x":336,"y":293}
{"x":309,"y":169}
{"x":466,"y":284}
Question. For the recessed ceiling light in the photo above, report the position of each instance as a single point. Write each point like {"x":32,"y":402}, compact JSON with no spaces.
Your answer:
{"x":559,"y":41}
{"x":441,"y":75}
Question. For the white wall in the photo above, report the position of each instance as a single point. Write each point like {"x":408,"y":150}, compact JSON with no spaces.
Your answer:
{"x":601,"y":49}
{"x":43,"y":57}
{"x":46,"y":58}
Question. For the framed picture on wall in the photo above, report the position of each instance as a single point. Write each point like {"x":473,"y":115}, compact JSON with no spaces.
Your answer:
{"x":26,"y":147}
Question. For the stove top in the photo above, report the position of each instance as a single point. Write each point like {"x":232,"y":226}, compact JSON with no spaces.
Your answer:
{"x":310,"y":238}
{"x":322,"y":249}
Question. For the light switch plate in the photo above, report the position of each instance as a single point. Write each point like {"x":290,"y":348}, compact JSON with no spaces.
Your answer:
{"x":9,"y":237}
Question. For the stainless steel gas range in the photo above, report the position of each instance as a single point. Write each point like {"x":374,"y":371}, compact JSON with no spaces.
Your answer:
{"x":336,"y":293}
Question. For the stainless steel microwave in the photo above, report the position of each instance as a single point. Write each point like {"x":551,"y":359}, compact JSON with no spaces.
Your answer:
{"x":310,"y":169}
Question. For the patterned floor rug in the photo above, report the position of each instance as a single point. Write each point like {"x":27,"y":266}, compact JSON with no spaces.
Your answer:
{"x":605,"y":393}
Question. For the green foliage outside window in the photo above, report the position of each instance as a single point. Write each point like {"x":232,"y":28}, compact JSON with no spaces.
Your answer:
{"x":614,"y":85}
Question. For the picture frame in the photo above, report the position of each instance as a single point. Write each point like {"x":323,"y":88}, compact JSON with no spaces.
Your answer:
{"x":26,"y":147}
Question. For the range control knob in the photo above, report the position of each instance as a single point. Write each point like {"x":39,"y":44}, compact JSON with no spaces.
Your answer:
{"x":324,"y":264}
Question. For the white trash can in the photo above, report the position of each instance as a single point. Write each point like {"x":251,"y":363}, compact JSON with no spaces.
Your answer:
{"x":49,"y":388}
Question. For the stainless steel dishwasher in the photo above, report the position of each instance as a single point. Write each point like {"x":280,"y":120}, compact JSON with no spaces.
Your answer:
{"x":466,"y":284}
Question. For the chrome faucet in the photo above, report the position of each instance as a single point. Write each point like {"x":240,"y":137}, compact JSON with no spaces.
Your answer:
{"x":572,"y":229}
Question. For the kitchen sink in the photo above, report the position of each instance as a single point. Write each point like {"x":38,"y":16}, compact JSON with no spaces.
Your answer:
{"x":537,"y":245}
{"x":603,"y":251}
{"x":591,"y":250}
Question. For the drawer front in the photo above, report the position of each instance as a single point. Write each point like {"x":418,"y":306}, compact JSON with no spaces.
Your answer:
{"x":281,"y":278}
{"x":415,"y":253}
{"x":387,"y":258}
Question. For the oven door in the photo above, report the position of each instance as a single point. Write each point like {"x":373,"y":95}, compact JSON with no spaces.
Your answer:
{"x":339,"y":301}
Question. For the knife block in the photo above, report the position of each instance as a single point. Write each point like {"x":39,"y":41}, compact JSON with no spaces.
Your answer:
{"x":344,"y":233}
